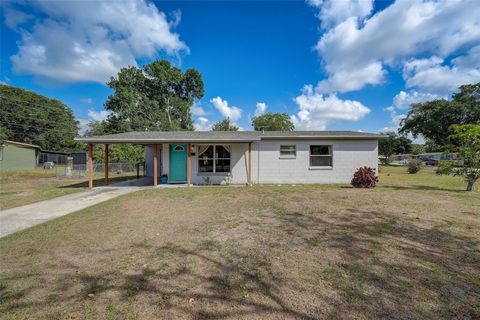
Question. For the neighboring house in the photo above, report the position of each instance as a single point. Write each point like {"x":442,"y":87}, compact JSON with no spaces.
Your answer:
{"x":18,"y":156}
{"x":57,"y":157}
{"x":242,"y":157}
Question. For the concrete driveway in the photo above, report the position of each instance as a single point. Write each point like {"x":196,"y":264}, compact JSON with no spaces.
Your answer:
{"x":19,"y":218}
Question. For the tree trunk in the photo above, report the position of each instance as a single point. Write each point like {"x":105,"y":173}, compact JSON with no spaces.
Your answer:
{"x":470,"y":185}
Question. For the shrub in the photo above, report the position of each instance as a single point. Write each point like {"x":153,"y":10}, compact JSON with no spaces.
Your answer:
{"x":364,"y":177}
{"x":415,"y":165}
{"x":445,"y":167}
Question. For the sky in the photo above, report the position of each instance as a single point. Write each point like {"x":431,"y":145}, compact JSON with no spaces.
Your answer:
{"x":330,"y":65}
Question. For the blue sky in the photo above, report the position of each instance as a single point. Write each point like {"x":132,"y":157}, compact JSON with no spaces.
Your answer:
{"x":337,"y":65}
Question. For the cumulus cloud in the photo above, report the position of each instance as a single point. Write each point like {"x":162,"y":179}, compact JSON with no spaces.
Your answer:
{"x":197,"y":110}
{"x":231,"y":112}
{"x":86,"y":41}
{"x":98,"y":115}
{"x":333,"y":12}
{"x":355,"y":42}
{"x":260,"y":108}
{"x":202,"y":124}
{"x":434,"y":76}
{"x":316,"y":110}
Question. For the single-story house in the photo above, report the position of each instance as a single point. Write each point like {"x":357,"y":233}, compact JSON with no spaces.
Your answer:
{"x":246,"y":157}
{"x":18,"y":156}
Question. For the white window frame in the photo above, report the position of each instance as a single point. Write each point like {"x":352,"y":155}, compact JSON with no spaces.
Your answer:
{"x":288,"y":148}
{"x":214,"y":172}
{"x":330,"y":155}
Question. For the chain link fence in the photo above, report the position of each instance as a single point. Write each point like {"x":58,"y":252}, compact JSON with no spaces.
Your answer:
{"x":114,"y":170}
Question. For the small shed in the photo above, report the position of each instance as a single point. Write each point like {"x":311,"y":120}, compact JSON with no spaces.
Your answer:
{"x":57,"y":157}
{"x":18,"y":156}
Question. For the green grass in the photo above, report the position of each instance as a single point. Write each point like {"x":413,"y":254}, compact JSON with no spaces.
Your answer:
{"x":409,"y":248}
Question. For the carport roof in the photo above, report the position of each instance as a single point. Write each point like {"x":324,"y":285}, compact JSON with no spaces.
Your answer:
{"x":145,"y":137}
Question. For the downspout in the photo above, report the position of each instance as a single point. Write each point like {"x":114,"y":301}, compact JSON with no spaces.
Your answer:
{"x":258,"y":160}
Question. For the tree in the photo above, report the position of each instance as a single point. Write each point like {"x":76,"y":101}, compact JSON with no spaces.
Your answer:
{"x":466,"y":139}
{"x":156,"y":97}
{"x":393,"y":144}
{"x":117,"y":153}
{"x":273,"y":122}
{"x":432,"y":119}
{"x":418,"y":148}
{"x":28,"y":117}
{"x":224,"y":125}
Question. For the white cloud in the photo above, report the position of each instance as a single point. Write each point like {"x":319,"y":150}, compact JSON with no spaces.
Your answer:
{"x":332,"y":12}
{"x":316,"y":111}
{"x":432,"y":75}
{"x":98,"y":115}
{"x":260,"y":108}
{"x":355,"y":42}
{"x":202,"y":124}
{"x":197,"y":110}
{"x":83,"y":41}
{"x":233,"y":113}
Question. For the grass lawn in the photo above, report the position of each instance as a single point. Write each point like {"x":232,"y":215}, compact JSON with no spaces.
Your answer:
{"x":408,"y":249}
{"x":18,"y":188}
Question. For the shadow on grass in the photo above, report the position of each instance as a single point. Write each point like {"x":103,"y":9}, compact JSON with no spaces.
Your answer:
{"x":101,"y":182}
{"x":427,"y":273}
{"x":421,"y":188}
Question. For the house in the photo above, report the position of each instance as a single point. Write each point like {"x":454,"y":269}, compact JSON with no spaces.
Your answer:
{"x":243,"y":157}
{"x":18,"y":155}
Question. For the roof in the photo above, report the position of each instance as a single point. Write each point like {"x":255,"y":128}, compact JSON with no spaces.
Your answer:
{"x":54,"y":152}
{"x":21,"y":144}
{"x":145,"y":137}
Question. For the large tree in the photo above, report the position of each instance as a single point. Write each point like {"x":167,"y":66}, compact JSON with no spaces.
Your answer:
{"x":156,"y":97}
{"x":393,"y":144}
{"x":273,"y":122}
{"x":28,"y":117}
{"x":432,"y":119}
{"x":224,"y":125}
{"x":466,"y":141}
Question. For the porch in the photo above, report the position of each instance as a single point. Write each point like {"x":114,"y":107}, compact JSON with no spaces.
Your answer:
{"x":185,"y":158}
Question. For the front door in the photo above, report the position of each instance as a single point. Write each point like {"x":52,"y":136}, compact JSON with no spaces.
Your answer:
{"x":178,"y":162}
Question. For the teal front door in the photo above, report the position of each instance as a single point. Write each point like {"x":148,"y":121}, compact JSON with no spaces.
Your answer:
{"x":178,"y":162}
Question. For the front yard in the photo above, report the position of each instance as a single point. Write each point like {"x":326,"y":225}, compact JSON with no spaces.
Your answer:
{"x":409,"y":248}
{"x":18,"y":188}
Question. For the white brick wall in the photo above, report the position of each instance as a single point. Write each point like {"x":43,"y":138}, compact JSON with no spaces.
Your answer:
{"x":348,"y":155}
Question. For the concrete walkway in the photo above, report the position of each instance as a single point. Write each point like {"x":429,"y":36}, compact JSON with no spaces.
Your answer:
{"x":19,"y":218}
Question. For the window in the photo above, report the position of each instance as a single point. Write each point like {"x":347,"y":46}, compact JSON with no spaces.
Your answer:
{"x":321,"y":156}
{"x":288,"y":151}
{"x":214,"y":159}
{"x":178,"y":148}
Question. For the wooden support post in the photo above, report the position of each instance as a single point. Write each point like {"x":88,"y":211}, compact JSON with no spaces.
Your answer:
{"x":155,"y":165}
{"x":106,"y":163}
{"x":188,"y":165}
{"x":249,"y":163}
{"x":90,"y":166}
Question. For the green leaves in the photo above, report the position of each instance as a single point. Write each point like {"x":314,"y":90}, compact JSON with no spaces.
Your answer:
{"x":224,"y":125}
{"x":393,"y":144}
{"x":157,"y":97}
{"x":32,"y":118}
{"x":273,"y":122}
{"x":432,"y":119}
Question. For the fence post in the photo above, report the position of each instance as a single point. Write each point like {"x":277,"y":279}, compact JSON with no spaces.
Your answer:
{"x":138,"y":169}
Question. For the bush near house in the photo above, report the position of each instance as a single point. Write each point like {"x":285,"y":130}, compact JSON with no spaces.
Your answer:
{"x":364,"y":177}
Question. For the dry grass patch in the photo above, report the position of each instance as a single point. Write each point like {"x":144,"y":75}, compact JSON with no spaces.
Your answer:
{"x":399,"y":251}
{"x":21,"y":187}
